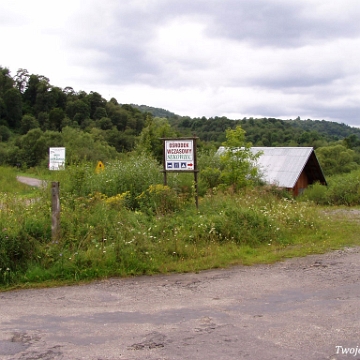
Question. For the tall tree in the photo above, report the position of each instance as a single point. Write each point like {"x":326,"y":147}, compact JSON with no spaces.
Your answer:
{"x":6,"y":81}
{"x":337,"y":159}
{"x":56,"y":117}
{"x":13,"y":106}
{"x":95,"y":101}
{"x":237,"y":160}
{"x":21,"y":80}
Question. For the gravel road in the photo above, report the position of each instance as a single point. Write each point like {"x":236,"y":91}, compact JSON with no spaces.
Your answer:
{"x":301,"y":309}
{"x":30,"y":181}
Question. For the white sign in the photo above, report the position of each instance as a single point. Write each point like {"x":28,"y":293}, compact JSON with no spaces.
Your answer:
{"x":179,"y":155}
{"x":57,"y":158}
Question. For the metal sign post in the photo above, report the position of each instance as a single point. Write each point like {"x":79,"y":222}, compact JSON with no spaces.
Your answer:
{"x":179,"y":155}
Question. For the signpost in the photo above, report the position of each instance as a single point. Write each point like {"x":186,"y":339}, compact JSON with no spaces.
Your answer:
{"x":57,"y":158}
{"x":180,"y":156}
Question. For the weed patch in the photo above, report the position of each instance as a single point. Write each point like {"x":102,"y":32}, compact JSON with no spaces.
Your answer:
{"x":149,"y":228}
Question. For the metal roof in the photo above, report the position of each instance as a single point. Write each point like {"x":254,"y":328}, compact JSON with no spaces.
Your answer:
{"x":282,"y":166}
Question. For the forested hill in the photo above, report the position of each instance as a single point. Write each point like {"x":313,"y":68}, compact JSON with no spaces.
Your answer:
{"x":155,"y":111}
{"x":35,"y":115}
{"x":260,"y":132}
{"x":269,"y":131}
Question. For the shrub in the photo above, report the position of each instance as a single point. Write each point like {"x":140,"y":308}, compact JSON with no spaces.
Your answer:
{"x":317,"y":193}
{"x":158,"y":199}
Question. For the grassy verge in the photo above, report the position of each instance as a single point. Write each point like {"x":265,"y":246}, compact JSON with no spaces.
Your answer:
{"x":155,"y":229}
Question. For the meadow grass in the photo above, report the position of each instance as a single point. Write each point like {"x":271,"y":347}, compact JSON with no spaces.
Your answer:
{"x":10,"y":186}
{"x":122,"y":224}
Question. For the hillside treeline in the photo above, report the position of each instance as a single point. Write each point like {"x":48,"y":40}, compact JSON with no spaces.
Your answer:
{"x":36,"y":115}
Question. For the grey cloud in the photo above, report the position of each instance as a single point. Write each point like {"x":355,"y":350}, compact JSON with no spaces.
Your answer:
{"x":294,"y":79}
{"x":129,"y":64}
{"x":318,"y":111}
{"x":264,"y":22}
{"x":343,"y":114}
{"x":126,"y":56}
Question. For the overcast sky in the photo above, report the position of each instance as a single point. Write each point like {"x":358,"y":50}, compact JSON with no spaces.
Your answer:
{"x":234,"y":58}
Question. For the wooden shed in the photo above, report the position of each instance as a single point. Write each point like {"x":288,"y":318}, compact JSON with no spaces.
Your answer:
{"x":293,"y":168}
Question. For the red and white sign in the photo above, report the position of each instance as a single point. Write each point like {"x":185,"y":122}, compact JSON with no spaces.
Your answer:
{"x":179,"y":155}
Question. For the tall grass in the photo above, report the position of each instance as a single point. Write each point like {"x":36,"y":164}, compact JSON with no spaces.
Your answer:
{"x":124,"y":222}
{"x":342,"y":189}
{"x":9,"y":185}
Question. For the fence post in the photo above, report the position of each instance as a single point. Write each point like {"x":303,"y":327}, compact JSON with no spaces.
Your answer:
{"x":55,"y":210}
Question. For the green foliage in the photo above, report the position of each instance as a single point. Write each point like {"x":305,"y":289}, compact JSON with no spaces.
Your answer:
{"x":23,"y":228}
{"x":237,"y":160}
{"x":156,"y":112}
{"x":85,"y":146}
{"x":342,"y":189}
{"x":267,"y":131}
{"x":345,"y":190}
{"x":158,"y":199}
{"x":33,"y":147}
{"x":337,"y":159}
{"x":150,"y":138}
{"x":5,"y":133}
{"x":102,"y":236}
{"x":29,"y":102}
{"x":211,"y":177}
{"x":133,"y":174}
{"x":9,"y":186}
{"x":13,"y":105}
{"x":209,"y":166}
{"x":28,"y":122}
{"x":317,"y":193}
{"x":6,"y":81}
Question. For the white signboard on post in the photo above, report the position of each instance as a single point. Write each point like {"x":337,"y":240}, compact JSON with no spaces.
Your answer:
{"x":179,"y":155}
{"x":57,"y":158}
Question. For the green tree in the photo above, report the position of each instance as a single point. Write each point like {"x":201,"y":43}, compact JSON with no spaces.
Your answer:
{"x":86,"y":146}
{"x":95,"y":100}
{"x":6,"y":81}
{"x":3,"y":112}
{"x":121,"y":140}
{"x":32,"y":147}
{"x":56,"y":117}
{"x":21,"y":80}
{"x":337,"y":159}
{"x":5,"y":133}
{"x":100,"y":113}
{"x":352,"y":141}
{"x":150,"y":138}
{"x":28,"y":122}
{"x":13,"y":106}
{"x":104,"y":123}
{"x":237,"y":160}
{"x":78,"y":111}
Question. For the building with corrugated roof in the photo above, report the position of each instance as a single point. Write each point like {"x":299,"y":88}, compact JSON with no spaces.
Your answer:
{"x":292,"y":168}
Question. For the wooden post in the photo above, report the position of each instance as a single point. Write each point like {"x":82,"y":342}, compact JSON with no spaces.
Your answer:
{"x":196,"y":173}
{"x":188,"y":163}
{"x":55,"y":210}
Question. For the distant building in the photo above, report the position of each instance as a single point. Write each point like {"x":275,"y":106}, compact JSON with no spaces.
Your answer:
{"x":292,"y":168}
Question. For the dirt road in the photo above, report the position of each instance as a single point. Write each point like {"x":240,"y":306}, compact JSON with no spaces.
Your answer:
{"x":300,"y":309}
{"x":30,"y":181}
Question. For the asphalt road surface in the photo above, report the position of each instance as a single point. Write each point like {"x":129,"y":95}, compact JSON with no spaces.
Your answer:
{"x":300,"y":309}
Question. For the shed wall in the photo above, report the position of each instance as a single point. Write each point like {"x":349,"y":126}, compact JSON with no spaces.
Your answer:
{"x":301,"y":184}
